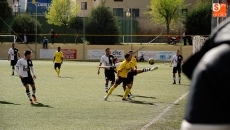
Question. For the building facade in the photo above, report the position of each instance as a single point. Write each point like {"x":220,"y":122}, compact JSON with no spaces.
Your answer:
{"x":121,"y":7}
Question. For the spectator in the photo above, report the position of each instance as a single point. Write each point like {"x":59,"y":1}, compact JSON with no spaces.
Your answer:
{"x":52,"y":35}
{"x":45,"y":42}
{"x":185,"y":37}
{"x":25,"y":37}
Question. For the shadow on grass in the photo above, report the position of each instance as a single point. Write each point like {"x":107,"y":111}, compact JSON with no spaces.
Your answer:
{"x":66,"y":77}
{"x":141,"y":102}
{"x":138,"y":96}
{"x":10,"y":103}
{"x":38,"y":104}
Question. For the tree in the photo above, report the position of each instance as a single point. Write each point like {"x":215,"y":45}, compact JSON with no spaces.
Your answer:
{"x":21,"y":22}
{"x":61,"y":12}
{"x":6,"y":12}
{"x":165,"y":12}
{"x":102,"y":22}
{"x":77,"y":24}
{"x":199,"y":17}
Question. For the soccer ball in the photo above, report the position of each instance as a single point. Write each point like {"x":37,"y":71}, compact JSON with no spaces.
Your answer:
{"x":151,"y":61}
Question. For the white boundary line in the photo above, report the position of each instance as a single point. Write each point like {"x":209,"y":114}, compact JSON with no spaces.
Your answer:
{"x":163,"y":112}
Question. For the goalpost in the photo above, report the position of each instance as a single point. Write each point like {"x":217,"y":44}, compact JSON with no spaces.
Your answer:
{"x":198,"y":42}
{"x":14,"y":38}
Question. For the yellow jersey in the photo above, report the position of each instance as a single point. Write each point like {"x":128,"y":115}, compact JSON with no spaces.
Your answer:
{"x":58,"y":57}
{"x":124,"y":69}
{"x":133,"y":61}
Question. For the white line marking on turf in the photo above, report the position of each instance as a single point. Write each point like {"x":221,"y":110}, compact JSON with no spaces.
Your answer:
{"x":163,"y":112}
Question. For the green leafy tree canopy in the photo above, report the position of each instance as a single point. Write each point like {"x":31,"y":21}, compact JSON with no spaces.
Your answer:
{"x":102,"y":22}
{"x":21,"y":22}
{"x":5,"y":12}
{"x":62,"y":11}
{"x":165,"y":12}
{"x":198,"y":21}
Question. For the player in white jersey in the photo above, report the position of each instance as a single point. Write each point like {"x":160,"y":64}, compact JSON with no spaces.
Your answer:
{"x":177,"y":60}
{"x":13,"y":56}
{"x":23,"y":68}
{"x":107,"y":60}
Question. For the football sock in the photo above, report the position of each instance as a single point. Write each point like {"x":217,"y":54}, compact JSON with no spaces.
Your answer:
{"x":28,"y":94}
{"x":127,"y":91}
{"x":179,"y":79}
{"x":106,"y":88}
{"x":174,"y":79}
{"x":111,"y":85}
{"x":58,"y":71}
{"x":146,"y":69}
{"x":34,"y":91}
{"x":111,"y":90}
{"x":12,"y":69}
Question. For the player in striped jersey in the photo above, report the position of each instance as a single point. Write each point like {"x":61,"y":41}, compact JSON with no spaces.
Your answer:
{"x":137,"y":71}
{"x":13,"y":56}
{"x":23,"y":68}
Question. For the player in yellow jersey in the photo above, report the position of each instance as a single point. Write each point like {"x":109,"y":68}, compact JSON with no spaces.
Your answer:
{"x":58,"y":59}
{"x":122,"y":73}
{"x":137,"y":71}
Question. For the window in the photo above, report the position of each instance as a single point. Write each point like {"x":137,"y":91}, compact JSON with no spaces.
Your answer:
{"x":83,"y":5}
{"x":184,"y":12}
{"x":135,"y":12}
{"x":118,"y":12}
{"x":118,"y":0}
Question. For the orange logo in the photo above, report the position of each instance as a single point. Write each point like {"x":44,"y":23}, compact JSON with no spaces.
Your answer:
{"x":219,"y":10}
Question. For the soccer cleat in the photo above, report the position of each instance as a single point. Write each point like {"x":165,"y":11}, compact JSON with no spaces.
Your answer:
{"x":129,"y":98}
{"x":124,"y":99}
{"x":34,"y":97}
{"x":31,"y":101}
{"x":105,"y":98}
{"x":154,"y":68}
{"x":12,"y":73}
{"x":174,"y":82}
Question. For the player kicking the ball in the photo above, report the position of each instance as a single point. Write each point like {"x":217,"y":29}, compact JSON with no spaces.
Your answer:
{"x":136,"y":71}
{"x":122,"y":73}
{"x":23,"y":68}
{"x":58,"y":59}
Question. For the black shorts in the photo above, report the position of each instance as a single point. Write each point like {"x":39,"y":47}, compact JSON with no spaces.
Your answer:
{"x":27,"y":80}
{"x":122,"y":80}
{"x":13,"y":62}
{"x":109,"y":75}
{"x":177,"y":69}
{"x":57,"y":65}
{"x":131,"y":75}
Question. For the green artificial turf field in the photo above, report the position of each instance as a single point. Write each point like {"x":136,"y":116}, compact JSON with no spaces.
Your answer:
{"x":75,"y":100}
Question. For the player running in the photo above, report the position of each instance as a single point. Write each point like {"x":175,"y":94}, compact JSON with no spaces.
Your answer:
{"x":107,"y":60}
{"x":13,"y":56}
{"x":58,"y":60}
{"x":177,"y":60}
{"x":23,"y":68}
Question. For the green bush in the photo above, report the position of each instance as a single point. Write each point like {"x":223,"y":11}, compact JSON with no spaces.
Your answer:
{"x":21,"y":22}
{"x":198,"y":21}
{"x":102,"y":22}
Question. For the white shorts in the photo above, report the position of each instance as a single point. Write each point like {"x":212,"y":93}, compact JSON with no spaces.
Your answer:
{"x":188,"y":126}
